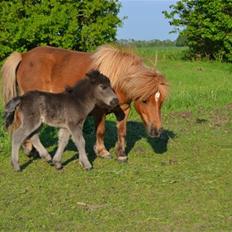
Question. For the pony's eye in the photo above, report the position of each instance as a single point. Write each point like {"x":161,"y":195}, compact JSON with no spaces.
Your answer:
{"x":144,"y":101}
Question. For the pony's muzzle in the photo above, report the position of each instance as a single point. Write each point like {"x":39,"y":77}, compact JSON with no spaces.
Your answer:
{"x":155,"y":132}
{"x":114,"y":102}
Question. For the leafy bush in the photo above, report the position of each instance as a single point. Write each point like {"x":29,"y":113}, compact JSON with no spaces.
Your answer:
{"x":206,"y":25}
{"x":72,"y":24}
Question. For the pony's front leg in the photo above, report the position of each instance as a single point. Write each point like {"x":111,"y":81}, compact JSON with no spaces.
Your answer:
{"x":121,"y":143}
{"x":99,"y":147}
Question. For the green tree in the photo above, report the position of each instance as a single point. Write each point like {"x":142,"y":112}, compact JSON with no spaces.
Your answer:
{"x":181,"y":41}
{"x":206,"y":25}
{"x":74,"y":24}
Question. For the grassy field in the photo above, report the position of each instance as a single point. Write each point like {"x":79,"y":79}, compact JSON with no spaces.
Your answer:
{"x":183,"y":184}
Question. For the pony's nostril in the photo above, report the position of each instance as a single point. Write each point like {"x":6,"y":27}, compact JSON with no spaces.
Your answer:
{"x":161,"y":131}
{"x":154,"y":132}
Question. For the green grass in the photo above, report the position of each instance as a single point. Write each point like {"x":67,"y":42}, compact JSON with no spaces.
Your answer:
{"x":181,"y":185}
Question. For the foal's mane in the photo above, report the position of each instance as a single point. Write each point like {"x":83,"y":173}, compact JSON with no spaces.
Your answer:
{"x":127,"y":72}
{"x":80,"y":89}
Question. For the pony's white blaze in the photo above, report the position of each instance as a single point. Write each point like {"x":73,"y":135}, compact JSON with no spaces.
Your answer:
{"x":157,"y":96}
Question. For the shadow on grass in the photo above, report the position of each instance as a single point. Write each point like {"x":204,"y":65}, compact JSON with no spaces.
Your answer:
{"x":135,"y":132}
{"x":33,"y":156}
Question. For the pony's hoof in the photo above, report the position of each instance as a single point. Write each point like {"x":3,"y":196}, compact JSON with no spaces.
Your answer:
{"x":122,"y":159}
{"x":102,"y":154}
{"x":105,"y":156}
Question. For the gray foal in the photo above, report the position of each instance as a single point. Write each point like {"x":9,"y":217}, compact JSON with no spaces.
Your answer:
{"x":67,"y":110}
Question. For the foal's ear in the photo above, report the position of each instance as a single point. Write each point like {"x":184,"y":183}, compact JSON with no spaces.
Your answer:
{"x":93,"y":75}
{"x":68,"y":89}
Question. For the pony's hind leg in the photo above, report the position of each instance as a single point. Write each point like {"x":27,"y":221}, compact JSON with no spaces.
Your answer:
{"x":121,"y":144}
{"x":79,"y":141}
{"x":63,"y":141}
{"x":40,"y":148}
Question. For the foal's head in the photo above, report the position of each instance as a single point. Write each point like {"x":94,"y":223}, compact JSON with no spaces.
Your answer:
{"x":102,"y":90}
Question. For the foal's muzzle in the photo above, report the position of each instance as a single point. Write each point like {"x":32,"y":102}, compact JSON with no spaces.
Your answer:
{"x":114,"y":102}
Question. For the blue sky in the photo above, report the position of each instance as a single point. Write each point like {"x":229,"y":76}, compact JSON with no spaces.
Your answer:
{"x":145,"y":20}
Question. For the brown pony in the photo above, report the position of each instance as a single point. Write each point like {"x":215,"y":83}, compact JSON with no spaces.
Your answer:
{"x":52,"y":69}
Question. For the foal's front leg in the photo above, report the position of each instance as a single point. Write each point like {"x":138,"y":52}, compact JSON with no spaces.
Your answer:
{"x":121,"y":143}
{"x":63,"y":135}
{"x":79,"y":141}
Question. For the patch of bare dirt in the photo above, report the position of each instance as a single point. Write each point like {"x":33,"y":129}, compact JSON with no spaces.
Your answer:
{"x":229,"y":106}
{"x":185,"y":114}
{"x":169,"y":162}
{"x":220,"y":120}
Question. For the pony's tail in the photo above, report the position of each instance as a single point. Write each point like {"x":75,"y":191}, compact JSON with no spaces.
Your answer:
{"x":10,"y":111}
{"x":9,"y":76}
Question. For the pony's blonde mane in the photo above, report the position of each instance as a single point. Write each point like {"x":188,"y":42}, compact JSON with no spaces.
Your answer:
{"x":127,"y":72}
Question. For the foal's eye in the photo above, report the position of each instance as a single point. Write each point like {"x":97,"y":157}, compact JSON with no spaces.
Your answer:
{"x":103,"y":86}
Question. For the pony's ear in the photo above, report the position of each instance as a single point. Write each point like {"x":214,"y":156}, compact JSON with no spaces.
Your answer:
{"x":93,"y":75}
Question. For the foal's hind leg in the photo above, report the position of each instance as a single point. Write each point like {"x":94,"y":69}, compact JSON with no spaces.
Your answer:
{"x":79,"y":141}
{"x":27,"y":147}
{"x":63,"y":141}
{"x":40,"y":148}
{"x":18,"y":137}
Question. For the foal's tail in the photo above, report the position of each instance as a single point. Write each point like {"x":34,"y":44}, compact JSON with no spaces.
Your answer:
{"x":10,"y":110}
{"x":8,"y":72}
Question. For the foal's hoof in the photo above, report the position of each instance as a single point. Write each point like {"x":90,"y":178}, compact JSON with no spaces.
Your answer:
{"x":16,"y":167}
{"x":57,"y":165}
{"x":47,"y":157}
{"x":87,"y":167}
{"x":122,"y":159}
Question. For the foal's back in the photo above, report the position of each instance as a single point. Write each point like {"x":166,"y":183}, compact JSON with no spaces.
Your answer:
{"x":52,"y":109}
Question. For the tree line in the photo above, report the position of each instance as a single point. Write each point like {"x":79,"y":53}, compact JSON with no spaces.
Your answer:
{"x":205,"y":26}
